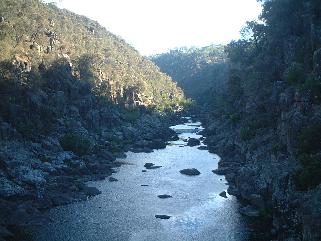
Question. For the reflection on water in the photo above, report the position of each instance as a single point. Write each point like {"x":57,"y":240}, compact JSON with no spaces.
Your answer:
{"x":126,"y":210}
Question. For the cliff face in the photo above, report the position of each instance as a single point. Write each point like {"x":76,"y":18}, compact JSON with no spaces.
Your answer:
{"x":265,"y":119}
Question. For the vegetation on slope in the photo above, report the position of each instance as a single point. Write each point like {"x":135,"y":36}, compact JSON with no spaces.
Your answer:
{"x":34,"y":36}
{"x":199,"y":71}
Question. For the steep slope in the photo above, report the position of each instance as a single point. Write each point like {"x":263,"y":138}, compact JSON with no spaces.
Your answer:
{"x":73,"y":97}
{"x":35,"y":35}
{"x":196,"y":70}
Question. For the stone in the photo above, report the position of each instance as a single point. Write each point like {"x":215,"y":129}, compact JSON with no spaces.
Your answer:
{"x":193,"y":142}
{"x":190,"y":172}
{"x":249,"y":211}
{"x":111,"y":179}
{"x":62,"y":157}
{"x":203,"y":148}
{"x":174,"y":138}
{"x":30,"y":176}
{"x":144,"y":171}
{"x":153,"y":167}
{"x":149,"y":164}
{"x":91,"y":191}
{"x":162,"y":216}
{"x":144,"y":185}
{"x":164,"y":196}
{"x":223,"y":194}
{"x":9,"y":188}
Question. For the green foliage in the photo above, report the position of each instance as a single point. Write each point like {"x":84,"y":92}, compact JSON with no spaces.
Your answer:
{"x":294,"y":74}
{"x":235,"y":118}
{"x":195,"y":69}
{"x":310,"y":140}
{"x":278,"y":148}
{"x":70,"y":46}
{"x":309,"y":176}
{"x":78,"y":144}
{"x":247,"y":133}
{"x":265,"y":215}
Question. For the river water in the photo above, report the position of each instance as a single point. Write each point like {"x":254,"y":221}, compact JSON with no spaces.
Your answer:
{"x":126,"y":210}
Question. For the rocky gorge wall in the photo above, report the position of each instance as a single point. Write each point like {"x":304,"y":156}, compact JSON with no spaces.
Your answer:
{"x":262,"y":169}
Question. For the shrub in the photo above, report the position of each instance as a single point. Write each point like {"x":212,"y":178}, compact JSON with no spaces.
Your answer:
{"x":310,"y":140}
{"x":309,"y":176}
{"x":75,"y":143}
{"x":235,"y":118}
{"x":294,"y":74}
{"x":247,"y":133}
{"x":278,"y":148}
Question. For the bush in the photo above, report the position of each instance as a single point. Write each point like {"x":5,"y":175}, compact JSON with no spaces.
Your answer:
{"x":309,"y":176}
{"x":247,"y":133}
{"x":75,"y":143}
{"x":235,"y":118}
{"x":310,"y":140}
{"x":294,"y":74}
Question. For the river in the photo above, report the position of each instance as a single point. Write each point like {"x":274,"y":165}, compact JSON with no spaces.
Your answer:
{"x":126,"y":209}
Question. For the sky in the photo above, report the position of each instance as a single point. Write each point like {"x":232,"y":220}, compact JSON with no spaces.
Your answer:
{"x":155,"y":26}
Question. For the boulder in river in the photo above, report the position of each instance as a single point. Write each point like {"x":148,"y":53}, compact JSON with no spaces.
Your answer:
{"x":223,"y":194}
{"x":90,"y":191}
{"x":162,"y":216}
{"x":203,"y":148}
{"x":151,"y":166}
{"x":190,"y":172}
{"x":164,"y":196}
{"x":193,"y":142}
{"x":112,"y":179}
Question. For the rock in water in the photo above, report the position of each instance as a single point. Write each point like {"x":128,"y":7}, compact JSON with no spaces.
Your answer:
{"x":162,"y":216}
{"x":193,"y":142}
{"x":223,"y":194}
{"x":190,"y":172}
{"x":203,"y":148}
{"x":111,"y":179}
{"x":151,"y":166}
{"x":91,"y":191}
{"x":164,"y":196}
{"x":148,"y":165}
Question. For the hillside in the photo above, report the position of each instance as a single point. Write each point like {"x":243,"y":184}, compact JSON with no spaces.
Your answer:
{"x":37,"y":35}
{"x":196,"y":70}
{"x":73,"y":97}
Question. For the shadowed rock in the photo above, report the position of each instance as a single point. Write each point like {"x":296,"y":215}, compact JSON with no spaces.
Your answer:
{"x":202,"y":148}
{"x":190,"y":172}
{"x":162,"y":216}
{"x":223,"y":194}
{"x":193,"y":142}
{"x":91,"y":191}
{"x":151,"y":166}
{"x":111,"y":179}
{"x":164,"y":196}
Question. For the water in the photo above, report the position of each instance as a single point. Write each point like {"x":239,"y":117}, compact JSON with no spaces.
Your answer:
{"x":126,"y":210}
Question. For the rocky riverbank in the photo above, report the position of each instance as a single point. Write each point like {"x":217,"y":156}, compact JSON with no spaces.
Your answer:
{"x":40,"y":174}
{"x":262,"y":177}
